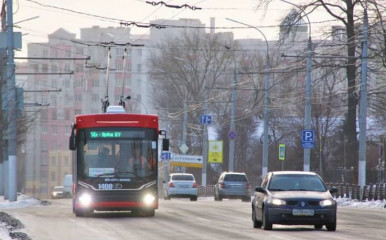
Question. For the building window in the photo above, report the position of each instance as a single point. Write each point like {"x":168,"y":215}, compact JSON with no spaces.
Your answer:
{"x":54,"y":146}
{"x":66,"y":67}
{"x":118,"y":82}
{"x":79,"y":83}
{"x":139,"y":67}
{"x":95,"y":97}
{"x":44,"y":161}
{"x":45,"y":68}
{"x":44,"y":114}
{"x":66,"y":115}
{"x":53,"y":100}
{"x":44,"y":129}
{"x":53,"y":176}
{"x":54,"y":130}
{"x":54,"y":83}
{"x":78,"y":97}
{"x":54,"y":68}
{"x":95,"y":83}
{"x":67,"y":83}
{"x":119,"y":66}
{"x":67,"y":130}
{"x":66,"y":162}
{"x":139,"y":52}
{"x":54,"y":115}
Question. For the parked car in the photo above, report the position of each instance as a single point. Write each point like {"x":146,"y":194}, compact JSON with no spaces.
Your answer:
{"x":232,"y":185}
{"x":67,"y":185}
{"x":294,"y":198}
{"x":181,"y":185}
{"x":58,"y":192}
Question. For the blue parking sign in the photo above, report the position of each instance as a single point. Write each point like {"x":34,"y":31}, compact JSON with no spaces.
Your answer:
{"x":308,"y":138}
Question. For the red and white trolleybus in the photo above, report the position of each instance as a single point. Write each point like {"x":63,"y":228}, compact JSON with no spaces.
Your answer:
{"x":115,"y":162}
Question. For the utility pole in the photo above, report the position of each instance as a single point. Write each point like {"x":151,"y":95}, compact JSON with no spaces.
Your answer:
{"x":266,"y":100}
{"x":232,"y":131}
{"x":307,"y":108}
{"x":204,"y":143}
{"x":363,"y":109}
{"x":12,"y":159}
{"x":4,"y":152}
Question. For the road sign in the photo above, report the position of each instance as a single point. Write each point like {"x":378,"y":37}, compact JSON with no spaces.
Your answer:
{"x":232,"y":135}
{"x":184,"y":148}
{"x":215,"y":151}
{"x":166,"y":155}
{"x":206,"y":119}
{"x":187,"y":160}
{"x":308,"y":138}
{"x":281,"y":152}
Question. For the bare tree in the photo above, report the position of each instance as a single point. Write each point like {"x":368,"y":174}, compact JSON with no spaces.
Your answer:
{"x":349,"y":14}
{"x":197,"y":67}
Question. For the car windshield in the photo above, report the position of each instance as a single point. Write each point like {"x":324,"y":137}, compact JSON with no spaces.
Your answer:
{"x":235,"y":178}
{"x":183,"y":177}
{"x":58,"y":188}
{"x":296,"y":182}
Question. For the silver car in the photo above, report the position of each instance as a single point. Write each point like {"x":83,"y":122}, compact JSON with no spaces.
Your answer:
{"x":181,"y":185}
{"x":232,"y":185}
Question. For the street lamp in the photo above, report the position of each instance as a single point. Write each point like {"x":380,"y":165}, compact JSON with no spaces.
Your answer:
{"x":266,"y":101}
{"x":307,"y":108}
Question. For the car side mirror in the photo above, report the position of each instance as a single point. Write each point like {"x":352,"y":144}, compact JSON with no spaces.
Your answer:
{"x":333,"y":190}
{"x":260,"y":189}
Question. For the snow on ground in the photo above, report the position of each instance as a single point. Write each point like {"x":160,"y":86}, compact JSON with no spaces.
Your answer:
{"x":22,"y":201}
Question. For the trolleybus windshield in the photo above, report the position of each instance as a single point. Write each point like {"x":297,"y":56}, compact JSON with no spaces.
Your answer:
{"x":118,"y":152}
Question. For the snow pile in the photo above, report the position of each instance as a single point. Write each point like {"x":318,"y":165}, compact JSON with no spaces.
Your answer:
{"x":22,"y":201}
{"x":361,"y":204}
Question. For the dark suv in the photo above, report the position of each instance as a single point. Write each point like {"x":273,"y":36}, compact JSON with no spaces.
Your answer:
{"x":232,"y":185}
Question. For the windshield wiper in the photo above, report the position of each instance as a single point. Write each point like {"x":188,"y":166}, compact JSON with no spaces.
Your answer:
{"x":129,"y":172}
{"x":104,"y":174}
{"x":277,"y":189}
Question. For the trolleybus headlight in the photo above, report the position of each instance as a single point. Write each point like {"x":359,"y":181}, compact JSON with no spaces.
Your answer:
{"x":85,"y":199}
{"x":148,"y":199}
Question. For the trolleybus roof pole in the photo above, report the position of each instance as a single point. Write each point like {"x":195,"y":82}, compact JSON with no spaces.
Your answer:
{"x":105,"y":99}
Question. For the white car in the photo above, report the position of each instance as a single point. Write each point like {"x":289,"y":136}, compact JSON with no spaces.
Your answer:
{"x":181,"y":185}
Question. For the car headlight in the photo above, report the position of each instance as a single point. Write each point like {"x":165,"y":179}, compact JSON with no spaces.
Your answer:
{"x":326,"y":203}
{"x":85,"y":199}
{"x":148,"y":199}
{"x":277,"y":202}
{"x":54,"y":194}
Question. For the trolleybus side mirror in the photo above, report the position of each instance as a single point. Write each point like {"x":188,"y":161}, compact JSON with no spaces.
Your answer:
{"x":72,"y":145}
{"x":165,"y":144}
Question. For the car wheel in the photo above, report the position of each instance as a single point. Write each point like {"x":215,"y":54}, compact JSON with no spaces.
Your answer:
{"x":318,"y":226}
{"x":266,"y":224}
{"x":256,"y":224}
{"x":166,"y":196}
{"x":246,"y":199}
{"x":144,"y":212}
{"x":193,"y":198}
{"x":331,"y":226}
{"x":83,"y":213}
{"x":219,"y":197}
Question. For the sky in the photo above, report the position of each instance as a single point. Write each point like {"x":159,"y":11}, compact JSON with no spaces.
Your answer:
{"x":36,"y":19}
